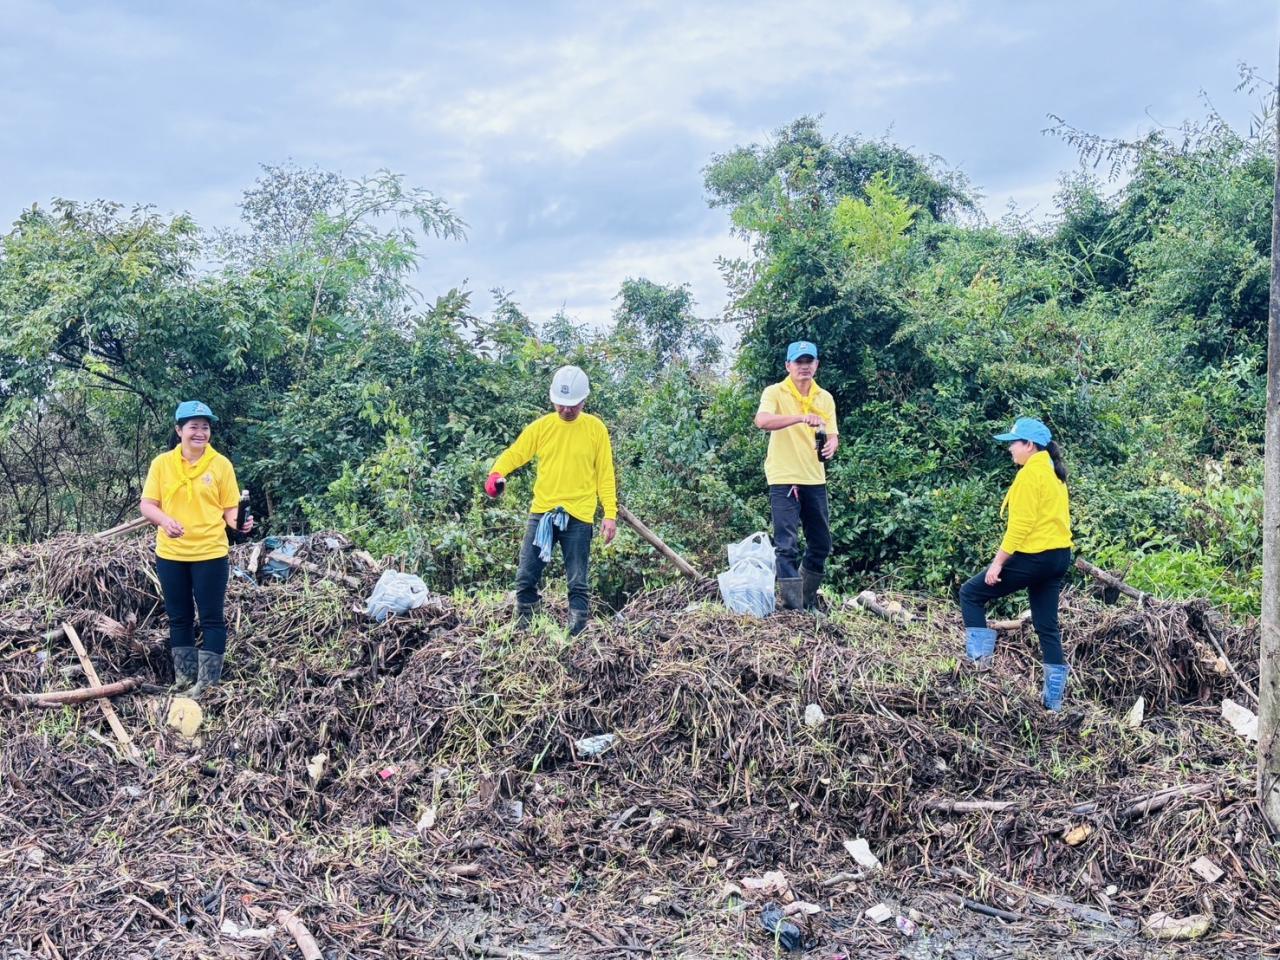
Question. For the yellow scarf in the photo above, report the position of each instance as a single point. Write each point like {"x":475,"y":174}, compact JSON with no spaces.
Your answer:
{"x":806,"y":403}
{"x":187,"y":472}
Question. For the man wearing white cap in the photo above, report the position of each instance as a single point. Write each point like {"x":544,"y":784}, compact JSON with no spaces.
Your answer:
{"x":801,"y":420}
{"x":575,"y":471}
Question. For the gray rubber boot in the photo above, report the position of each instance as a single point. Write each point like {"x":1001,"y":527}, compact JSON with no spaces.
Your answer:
{"x":578,"y":621}
{"x":184,"y":667}
{"x":209,"y":673}
{"x":791,"y":593}
{"x":524,"y":615}
{"x":810,"y":583}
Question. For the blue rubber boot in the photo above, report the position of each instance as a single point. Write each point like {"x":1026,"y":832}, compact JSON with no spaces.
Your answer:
{"x":1055,"y":685}
{"x":980,"y":645}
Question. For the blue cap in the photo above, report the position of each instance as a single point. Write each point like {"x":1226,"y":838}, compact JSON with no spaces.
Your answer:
{"x":193,"y":408}
{"x":802,"y":348}
{"x":1027,"y":428}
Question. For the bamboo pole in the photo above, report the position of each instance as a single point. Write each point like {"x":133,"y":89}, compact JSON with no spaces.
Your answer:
{"x":313,"y":568}
{"x":137,"y":523}
{"x":657,"y":543}
{"x":80,"y":695}
{"x":113,"y":719}
{"x":1111,"y":580}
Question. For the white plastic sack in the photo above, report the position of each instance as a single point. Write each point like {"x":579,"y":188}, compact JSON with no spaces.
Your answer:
{"x":748,"y":585}
{"x":395,"y":592}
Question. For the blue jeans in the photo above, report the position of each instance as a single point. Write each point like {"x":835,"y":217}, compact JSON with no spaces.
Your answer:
{"x":1041,"y":575}
{"x":188,"y":585}
{"x":796,"y":506}
{"x":575,"y":547}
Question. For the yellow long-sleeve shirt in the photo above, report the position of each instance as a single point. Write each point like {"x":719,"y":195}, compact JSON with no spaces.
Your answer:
{"x":575,"y":465}
{"x":1039,"y":509}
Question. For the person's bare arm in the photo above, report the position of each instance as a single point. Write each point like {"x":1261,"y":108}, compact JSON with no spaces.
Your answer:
{"x":780,"y":421}
{"x":151,"y":510}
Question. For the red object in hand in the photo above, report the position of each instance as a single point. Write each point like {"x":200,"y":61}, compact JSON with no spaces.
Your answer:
{"x":495,"y":484}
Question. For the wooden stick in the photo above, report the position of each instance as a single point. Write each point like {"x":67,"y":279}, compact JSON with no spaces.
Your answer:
{"x":80,"y":695}
{"x":1111,"y":580}
{"x":113,"y":719}
{"x":1208,"y":631}
{"x":1162,"y":799}
{"x":313,"y":568}
{"x":137,"y":523}
{"x":1010,"y":626}
{"x":657,"y":543}
{"x":301,"y":935}
{"x":982,"y":908}
{"x":968,"y":806}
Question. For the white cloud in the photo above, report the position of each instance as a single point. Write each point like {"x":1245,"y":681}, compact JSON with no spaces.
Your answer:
{"x":674,"y":67}
{"x":586,"y":290}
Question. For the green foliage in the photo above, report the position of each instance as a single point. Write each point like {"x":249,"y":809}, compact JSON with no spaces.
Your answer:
{"x":876,"y":228}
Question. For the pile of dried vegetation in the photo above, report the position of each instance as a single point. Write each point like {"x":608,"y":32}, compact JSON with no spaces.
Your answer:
{"x":424,"y":787}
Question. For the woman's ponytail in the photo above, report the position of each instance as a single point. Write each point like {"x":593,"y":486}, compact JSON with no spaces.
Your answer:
{"x":1059,"y":465}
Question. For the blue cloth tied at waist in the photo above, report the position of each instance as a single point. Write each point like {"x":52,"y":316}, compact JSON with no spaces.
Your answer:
{"x":543,"y":537}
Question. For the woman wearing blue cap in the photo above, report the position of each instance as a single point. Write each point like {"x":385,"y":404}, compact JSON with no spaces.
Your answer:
{"x":192,"y":497}
{"x":1034,"y":555}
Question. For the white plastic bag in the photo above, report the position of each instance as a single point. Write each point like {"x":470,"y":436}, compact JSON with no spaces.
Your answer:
{"x":748,"y":585}
{"x":396,"y":592}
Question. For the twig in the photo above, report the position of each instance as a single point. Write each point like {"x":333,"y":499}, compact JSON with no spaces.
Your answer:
{"x":137,"y":523}
{"x":968,"y":806}
{"x":301,"y":935}
{"x":1162,"y":799}
{"x":838,"y":878}
{"x":1010,"y":626}
{"x":1208,"y":631}
{"x":983,"y":908}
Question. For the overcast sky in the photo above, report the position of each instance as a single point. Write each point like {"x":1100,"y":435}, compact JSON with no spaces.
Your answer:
{"x":572,"y":136}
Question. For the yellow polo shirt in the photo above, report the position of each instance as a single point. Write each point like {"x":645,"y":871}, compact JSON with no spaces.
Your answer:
{"x":1039,"y":509}
{"x":195,"y":496}
{"x":793,"y":455}
{"x":575,"y":465}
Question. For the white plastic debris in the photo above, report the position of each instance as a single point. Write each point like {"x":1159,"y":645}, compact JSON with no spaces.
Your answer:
{"x":1136,"y":713}
{"x":396,"y":592}
{"x":878,"y":914}
{"x":813,"y":715}
{"x":1243,"y":720}
{"x":316,"y":766}
{"x":906,"y":926}
{"x":772,"y":883}
{"x":427,"y":820}
{"x":239,"y":931}
{"x":1161,"y":926}
{"x":802,"y":907}
{"x":861,"y":852}
{"x":1209,"y":871}
{"x":594,"y":746}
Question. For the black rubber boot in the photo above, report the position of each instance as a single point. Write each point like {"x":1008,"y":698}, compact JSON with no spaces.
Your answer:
{"x":184,"y":667}
{"x":811,"y":582}
{"x":791,"y":593}
{"x":524,"y":615}
{"x":209,"y":673}
{"x":577,"y":621}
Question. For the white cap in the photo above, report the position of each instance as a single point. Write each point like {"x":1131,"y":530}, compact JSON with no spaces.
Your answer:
{"x":569,"y":387}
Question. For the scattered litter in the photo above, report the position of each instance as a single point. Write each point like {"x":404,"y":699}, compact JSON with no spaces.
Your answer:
{"x":594,"y":746}
{"x":802,"y":908}
{"x":786,"y":933}
{"x":906,"y":926}
{"x":185,"y":716}
{"x":1111,"y":890}
{"x":861,"y":852}
{"x":515,"y":811}
{"x":878,"y":914}
{"x":813,"y":715}
{"x":427,"y":820}
{"x":772,"y":883}
{"x":650,"y":900}
{"x":1161,"y":926}
{"x":241,"y":932}
{"x":315,"y":767}
{"x":1243,"y":720}
{"x":1077,"y":835}
{"x":1136,"y":713}
{"x":1209,"y":871}
{"x":386,"y":773}
{"x":396,"y":592}
{"x":748,"y":585}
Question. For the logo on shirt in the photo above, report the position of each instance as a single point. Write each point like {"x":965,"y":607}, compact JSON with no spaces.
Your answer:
{"x":207,"y":479}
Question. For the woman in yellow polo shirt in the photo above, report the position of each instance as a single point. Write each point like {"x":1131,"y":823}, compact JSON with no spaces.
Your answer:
{"x":191,"y":496}
{"x":1034,"y":555}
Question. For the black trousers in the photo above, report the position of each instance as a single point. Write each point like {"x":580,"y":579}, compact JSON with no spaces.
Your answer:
{"x":188,"y":585}
{"x":575,"y":546}
{"x":797,"y":506}
{"x":1041,"y":575}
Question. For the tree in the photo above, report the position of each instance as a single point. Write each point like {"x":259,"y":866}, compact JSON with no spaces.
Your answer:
{"x":1269,"y":667}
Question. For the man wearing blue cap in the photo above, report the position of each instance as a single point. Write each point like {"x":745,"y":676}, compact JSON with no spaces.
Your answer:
{"x":1034,"y":555}
{"x":801,"y":419}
